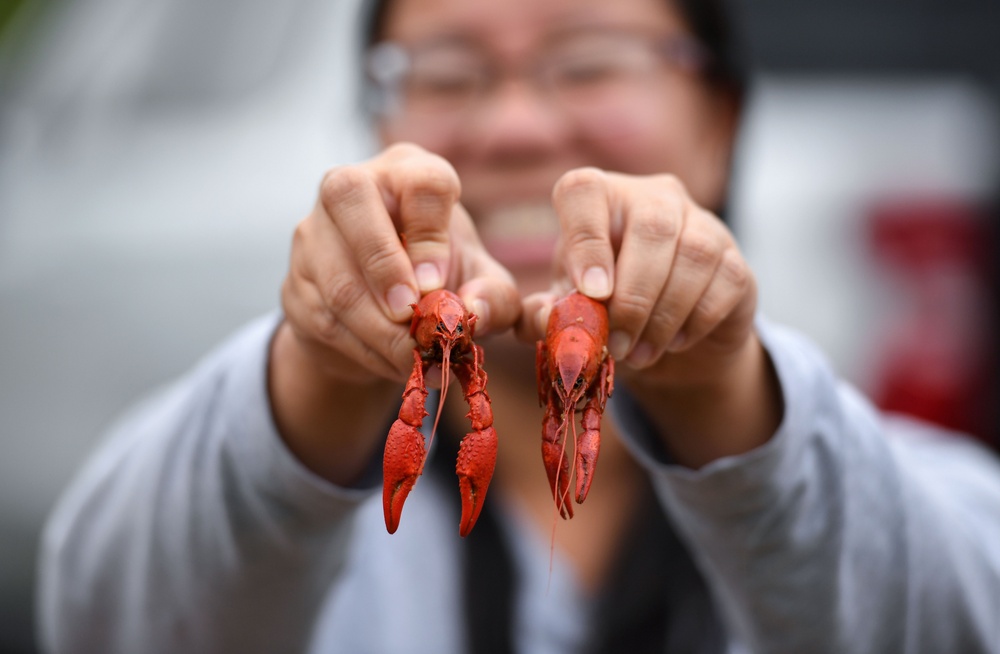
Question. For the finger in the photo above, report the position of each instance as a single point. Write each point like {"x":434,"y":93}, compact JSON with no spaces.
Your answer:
{"x":649,"y":241}
{"x":485,"y":286}
{"x":494,"y":299}
{"x":699,"y":251}
{"x":354,"y":206}
{"x":425,"y":189}
{"x":535,"y":315}
{"x":731,"y":289}
{"x":322,"y":258}
{"x":338,"y":348}
{"x":580,"y":199}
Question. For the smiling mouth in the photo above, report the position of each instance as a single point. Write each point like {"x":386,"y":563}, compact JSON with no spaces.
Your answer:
{"x":520,"y":235}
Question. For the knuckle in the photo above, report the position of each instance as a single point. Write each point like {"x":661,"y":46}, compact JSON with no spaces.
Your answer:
{"x":435,"y":178}
{"x":671,"y":185}
{"x":700,"y":249}
{"x":580,"y":180}
{"x":422,"y":240}
{"x":340,"y":293}
{"x":424,"y":173}
{"x":404,"y":150}
{"x":734,"y":269}
{"x":632,"y":305}
{"x":342,"y":184}
{"x":665,"y":321}
{"x":656,"y":226}
{"x":584,"y":238}
{"x":667,"y":316}
{"x":378,"y":257}
{"x":326,"y":325}
{"x":303,"y":234}
{"x":708,"y":312}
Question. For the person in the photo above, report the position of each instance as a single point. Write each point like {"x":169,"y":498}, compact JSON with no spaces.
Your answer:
{"x":744,"y":499}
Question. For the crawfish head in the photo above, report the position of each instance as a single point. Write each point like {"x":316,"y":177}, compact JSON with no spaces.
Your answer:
{"x":573,"y":366}
{"x":574,"y":358}
{"x":443,"y":330}
{"x":441,"y":324}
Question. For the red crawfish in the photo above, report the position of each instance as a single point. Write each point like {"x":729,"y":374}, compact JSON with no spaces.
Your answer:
{"x":574,"y":367}
{"x":443,"y":329}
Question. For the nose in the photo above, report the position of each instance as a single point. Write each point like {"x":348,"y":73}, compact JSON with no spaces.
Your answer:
{"x":516,"y":118}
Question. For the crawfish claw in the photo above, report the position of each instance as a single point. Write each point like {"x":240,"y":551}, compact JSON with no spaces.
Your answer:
{"x":588,"y":445}
{"x":402,"y":464}
{"x":477,"y":457}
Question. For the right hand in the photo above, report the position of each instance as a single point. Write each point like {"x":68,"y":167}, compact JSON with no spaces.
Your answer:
{"x":350,"y":283}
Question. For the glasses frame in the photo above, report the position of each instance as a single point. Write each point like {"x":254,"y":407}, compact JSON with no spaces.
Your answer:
{"x":387,"y":63}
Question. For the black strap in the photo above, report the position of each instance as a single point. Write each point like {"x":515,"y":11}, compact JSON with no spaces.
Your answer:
{"x":489,"y":583}
{"x":656,"y":600}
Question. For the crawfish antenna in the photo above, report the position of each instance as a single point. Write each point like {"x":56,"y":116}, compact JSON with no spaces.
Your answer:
{"x":559,"y":506}
{"x":445,"y":378}
{"x":561,"y":496}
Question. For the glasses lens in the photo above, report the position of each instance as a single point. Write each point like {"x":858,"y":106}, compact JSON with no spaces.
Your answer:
{"x":443,"y":79}
{"x":434,"y":79}
{"x":588,"y":71}
{"x":592,"y":66}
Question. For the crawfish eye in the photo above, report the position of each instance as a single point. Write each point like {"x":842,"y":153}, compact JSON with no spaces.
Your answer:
{"x":458,"y":329}
{"x":578,"y":383}
{"x":442,"y":327}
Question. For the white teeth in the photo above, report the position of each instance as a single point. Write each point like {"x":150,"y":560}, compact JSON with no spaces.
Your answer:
{"x":519,"y":222}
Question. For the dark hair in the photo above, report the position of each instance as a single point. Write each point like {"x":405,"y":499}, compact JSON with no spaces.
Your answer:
{"x":711,"y":22}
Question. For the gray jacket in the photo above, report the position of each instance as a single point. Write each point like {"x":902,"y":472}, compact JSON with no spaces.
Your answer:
{"x":194,"y":530}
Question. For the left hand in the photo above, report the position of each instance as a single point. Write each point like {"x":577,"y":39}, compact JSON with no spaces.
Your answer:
{"x":681,"y":301}
{"x":681,"y":297}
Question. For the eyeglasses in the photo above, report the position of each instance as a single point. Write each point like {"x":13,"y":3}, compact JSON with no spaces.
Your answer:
{"x":447,"y":77}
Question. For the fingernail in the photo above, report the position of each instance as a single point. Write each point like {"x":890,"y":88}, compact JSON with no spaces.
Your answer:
{"x":618,"y":344}
{"x":399,"y":298}
{"x":595,"y":283}
{"x":482,"y":310}
{"x":428,"y":277}
{"x":677,"y":342}
{"x":641,"y":355}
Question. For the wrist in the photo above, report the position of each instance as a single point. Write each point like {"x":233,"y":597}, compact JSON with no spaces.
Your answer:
{"x":330,"y":422}
{"x":729,"y":414}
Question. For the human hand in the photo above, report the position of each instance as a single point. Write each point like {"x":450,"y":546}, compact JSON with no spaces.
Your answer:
{"x":352,"y":277}
{"x":344,"y":346}
{"x":681,"y":300}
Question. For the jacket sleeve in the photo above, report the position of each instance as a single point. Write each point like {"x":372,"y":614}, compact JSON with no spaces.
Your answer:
{"x":847,"y":531}
{"x":193,"y":529}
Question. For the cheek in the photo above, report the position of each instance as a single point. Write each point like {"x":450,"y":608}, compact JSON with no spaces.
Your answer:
{"x":670,"y":133}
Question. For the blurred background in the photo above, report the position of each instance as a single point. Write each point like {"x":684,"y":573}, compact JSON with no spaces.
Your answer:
{"x":155,"y":156}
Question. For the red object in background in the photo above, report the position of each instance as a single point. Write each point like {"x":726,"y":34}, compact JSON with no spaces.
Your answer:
{"x":938,"y":361}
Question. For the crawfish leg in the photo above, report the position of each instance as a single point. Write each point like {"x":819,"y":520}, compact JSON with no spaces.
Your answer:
{"x":405,"y":453}
{"x":477,"y":455}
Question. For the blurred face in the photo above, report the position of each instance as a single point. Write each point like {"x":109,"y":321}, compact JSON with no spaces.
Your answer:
{"x":515,"y":93}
